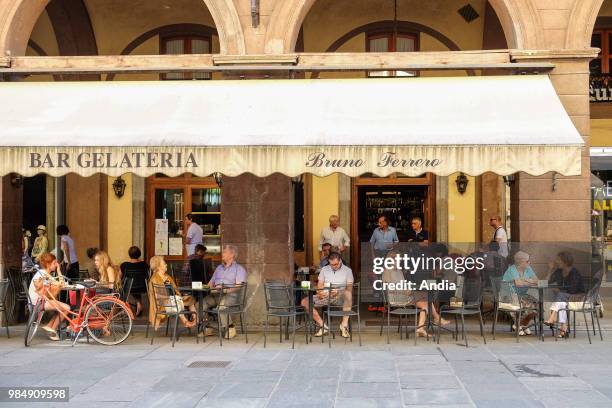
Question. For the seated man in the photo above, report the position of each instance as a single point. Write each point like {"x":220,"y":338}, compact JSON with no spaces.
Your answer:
{"x":230,"y":272}
{"x":336,"y":273}
{"x":325,"y":251}
{"x":200,"y":267}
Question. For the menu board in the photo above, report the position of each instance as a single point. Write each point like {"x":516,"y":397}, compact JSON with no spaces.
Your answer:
{"x":161,"y":237}
{"x":175,"y":246}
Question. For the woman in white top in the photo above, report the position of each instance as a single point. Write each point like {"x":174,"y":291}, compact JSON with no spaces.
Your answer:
{"x":69,"y":250}
{"x":42,"y":279}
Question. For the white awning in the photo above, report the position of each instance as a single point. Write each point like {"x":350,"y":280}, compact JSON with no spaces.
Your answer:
{"x":407,"y":125}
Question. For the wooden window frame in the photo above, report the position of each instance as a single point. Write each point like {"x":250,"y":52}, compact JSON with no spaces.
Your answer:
{"x":604,"y":54}
{"x":392,"y":42}
{"x":187,"y":48}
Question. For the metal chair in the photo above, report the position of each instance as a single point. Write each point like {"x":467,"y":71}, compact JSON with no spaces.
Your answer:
{"x":396,"y":303}
{"x":337,"y":309}
{"x":164,"y":306}
{"x":280,"y":303}
{"x":471,"y":301}
{"x":126,"y":289}
{"x":230,"y":300}
{"x":588,"y":305}
{"x":510,"y":301}
{"x":4,"y":287}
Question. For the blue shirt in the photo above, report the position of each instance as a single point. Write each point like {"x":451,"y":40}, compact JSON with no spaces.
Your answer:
{"x":384,"y":240}
{"x":234,"y":273}
{"x":512,"y":274}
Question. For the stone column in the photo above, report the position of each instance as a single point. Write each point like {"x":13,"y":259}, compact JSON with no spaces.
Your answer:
{"x":257,"y":219}
{"x":552,"y":207}
{"x":344,"y":208}
{"x":11,"y":214}
{"x":138,"y":212}
{"x":441,"y":209}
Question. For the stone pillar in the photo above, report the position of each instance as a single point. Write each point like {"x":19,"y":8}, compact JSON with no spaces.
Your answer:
{"x":138,"y":212}
{"x":257,"y":219}
{"x":490,"y":203}
{"x":11,"y":214}
{"x":344,"y":208}
{"x":441,"y":209}
{"x":539,"y":212}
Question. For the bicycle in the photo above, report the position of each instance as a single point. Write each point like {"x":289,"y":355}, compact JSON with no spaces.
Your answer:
{"x":107,"y":319}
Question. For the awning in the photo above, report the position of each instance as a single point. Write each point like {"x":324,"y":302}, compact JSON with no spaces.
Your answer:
{"x":601,"y":158}
{"x":354,"y":126}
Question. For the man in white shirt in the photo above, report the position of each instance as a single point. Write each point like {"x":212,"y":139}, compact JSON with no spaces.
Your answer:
{"x":193,"y":234}
{"x":334,"y":234}
{"x":499,"y":236}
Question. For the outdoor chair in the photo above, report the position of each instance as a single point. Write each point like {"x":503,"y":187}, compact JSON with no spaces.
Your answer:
{"x":231,"y":301}
{"x":280,"y":303}
{"x":470,"y":305}
{"x":396,"y":304}
{"x":4,"y":287}
{"x":26,"y":288}
{"x":165,"y":306}
{"x":126,"y":289}
{"x":336,"y":310}
{"x":588,"y":305}
{"x":139,"y":283}
{"x":511,"y":302}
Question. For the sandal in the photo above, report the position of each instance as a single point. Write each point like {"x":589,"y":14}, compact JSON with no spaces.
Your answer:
{"x":422,"y":333}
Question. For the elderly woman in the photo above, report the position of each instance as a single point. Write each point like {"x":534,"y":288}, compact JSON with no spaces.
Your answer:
{"x":160,"y":277}
{"x":566,"y":276}
{"x":523,"y":277}
{"x":401,"y":298}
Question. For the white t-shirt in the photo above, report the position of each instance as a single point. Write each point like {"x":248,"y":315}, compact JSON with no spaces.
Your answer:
{"x":503,"y":243}
{"x":40,"y":274}
{"x":195,"y":235}
{"x":342,"y":276}
{"x":71,"y":249}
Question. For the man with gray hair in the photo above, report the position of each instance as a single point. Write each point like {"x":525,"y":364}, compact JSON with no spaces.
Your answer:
{"x":229,"y":272}
{"x":335,"y":235}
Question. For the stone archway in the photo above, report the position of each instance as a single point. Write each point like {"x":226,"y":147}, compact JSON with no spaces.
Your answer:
{"x":519,"y":19}
{"x":581,"y":23}
{"x":18,"y":17}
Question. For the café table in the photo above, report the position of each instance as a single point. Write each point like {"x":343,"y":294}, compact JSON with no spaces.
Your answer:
{"x":542,"y":286}
{"x":310,"y":292}
{"x":199,"y":294}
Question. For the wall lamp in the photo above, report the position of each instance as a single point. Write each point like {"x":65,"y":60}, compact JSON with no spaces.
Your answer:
{"x":218,"y":178}
{"x":119,"y":187}
{"x":509,"y":180}
{"x":462,"y":183}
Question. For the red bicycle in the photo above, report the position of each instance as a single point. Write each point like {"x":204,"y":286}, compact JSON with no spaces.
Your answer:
{"x":107,"y":319}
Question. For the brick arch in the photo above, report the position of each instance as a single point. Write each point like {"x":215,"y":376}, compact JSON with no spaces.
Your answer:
{"x":18,"y":17}
{"x":581,"y":24}
{"x":519,"y":19}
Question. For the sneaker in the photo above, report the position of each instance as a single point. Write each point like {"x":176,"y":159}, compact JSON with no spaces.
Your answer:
{"x":527,"y":330}
{"x":344,"y":332}
{"x":232,"y":332}
{"x":209,"y":331}
{"x":522,"y":333}
{"x":322,"y":331}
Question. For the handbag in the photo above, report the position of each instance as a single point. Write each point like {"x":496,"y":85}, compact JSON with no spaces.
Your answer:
{"x":175,"y":304}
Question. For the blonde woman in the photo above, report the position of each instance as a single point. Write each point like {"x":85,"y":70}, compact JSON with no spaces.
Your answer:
{"x":110,"y":276}
{"x":160,"y":277}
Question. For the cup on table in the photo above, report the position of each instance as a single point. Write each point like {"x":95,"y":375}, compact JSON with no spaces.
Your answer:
{"x":196,"y":285}
{"x":305,"y":284}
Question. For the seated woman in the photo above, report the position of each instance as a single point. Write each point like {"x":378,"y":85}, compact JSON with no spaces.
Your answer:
{"x":137,"y":269}
{"x":110,"y":276}
{"x":159,"y":277}
{"x":43,"y":278}
{"x":569,"y":280}
{"x":523,"y":277}
{"x":400,"y":298}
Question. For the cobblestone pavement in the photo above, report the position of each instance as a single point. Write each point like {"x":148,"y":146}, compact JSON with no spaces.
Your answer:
{"x":502,"y":373}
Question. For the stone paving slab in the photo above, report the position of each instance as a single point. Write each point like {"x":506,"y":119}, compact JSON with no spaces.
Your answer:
{"x":499,"y":374}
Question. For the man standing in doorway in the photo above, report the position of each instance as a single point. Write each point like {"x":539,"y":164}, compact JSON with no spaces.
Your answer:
{"x":499,"y":236}
{"x":193,"y":234}
{"x":335,"y":235}
{"x":384,"y":238}
{"x":417,"y":234}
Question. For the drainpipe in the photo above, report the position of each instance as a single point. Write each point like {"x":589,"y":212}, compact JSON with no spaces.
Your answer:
{"x":255,"y":13}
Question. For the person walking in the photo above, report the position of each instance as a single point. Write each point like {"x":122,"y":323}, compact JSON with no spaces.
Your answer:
{"x":500,"y":237}
{"x":70,"y":260}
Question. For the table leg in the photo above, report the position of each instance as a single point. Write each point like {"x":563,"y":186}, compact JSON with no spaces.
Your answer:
{"x":310,"y":313}
{"x":541,"y":312}
{"x":201,"y":325}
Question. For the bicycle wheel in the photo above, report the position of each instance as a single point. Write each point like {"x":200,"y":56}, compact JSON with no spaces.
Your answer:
{"x":108,"y":322}
{"x":33,"y":323}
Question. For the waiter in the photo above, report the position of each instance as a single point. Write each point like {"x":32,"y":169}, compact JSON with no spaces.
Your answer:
{"x":193,"y":234}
